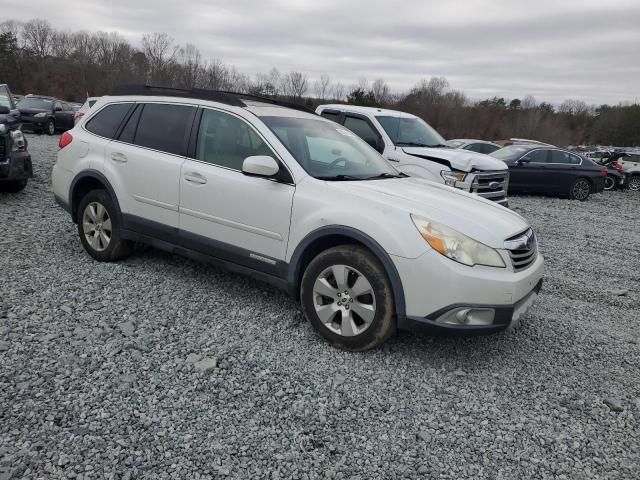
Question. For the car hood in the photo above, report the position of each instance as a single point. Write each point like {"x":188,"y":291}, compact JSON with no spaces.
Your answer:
{"x":459,"y":159}
{"x":480,"y":219}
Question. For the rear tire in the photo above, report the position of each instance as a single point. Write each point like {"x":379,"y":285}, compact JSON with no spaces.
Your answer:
{"x":347,"y":297}
{"x":99,"y":228}
{"x":610,"y":183}
{"x":634,"y":183}
{"x":580,"y":189}
{"x":13,"y":187}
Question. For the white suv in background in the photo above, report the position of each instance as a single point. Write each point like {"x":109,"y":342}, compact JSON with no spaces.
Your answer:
{"x":416,"y":149}
{"x":299,"y":201}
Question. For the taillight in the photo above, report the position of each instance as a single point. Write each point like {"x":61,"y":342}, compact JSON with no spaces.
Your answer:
{"x":617,"y":166}
{"x":603,"y":172}
{"x":65,"y":140}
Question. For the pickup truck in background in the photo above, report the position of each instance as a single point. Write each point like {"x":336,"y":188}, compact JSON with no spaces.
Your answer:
{"x":415,"y":148}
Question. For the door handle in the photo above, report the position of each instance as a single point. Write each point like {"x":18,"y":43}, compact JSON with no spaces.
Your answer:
{"x":119,"y":157}
{"x":193,"y":177}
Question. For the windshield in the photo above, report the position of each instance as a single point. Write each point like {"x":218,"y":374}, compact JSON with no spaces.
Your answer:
{"x":508,"y":153}
{"x":35,"y":103}
{"x":412,"y":132}
{"x":5,"y":100}
{"x":328,"y":151}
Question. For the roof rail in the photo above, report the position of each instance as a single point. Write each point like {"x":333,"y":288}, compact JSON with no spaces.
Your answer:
{"x":229,"y":98}
{"x":150,"y":90}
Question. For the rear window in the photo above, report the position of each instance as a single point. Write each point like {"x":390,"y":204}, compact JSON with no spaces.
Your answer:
{"x":331,"y":115}
{"x":511,"y":152}
{"x":106,"y":122}
{"x":36,"y":103}
{"x":164,"y":127}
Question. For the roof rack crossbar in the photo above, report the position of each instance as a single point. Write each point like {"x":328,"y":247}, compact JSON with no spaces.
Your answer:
{"x":228,"y":98}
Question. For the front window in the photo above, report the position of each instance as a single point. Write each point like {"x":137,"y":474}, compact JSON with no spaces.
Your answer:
{"x":35,"y":103}
{"x":411,"y":132}
{"x":328,"y":151}
{"x":510,"y":153}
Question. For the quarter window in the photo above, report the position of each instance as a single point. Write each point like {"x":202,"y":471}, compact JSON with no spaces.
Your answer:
{"x":226,"y":140}
{"x":106,"y":122}
{"x":164,"y":127}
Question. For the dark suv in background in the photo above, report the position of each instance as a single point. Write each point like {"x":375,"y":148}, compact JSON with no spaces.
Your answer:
{"x":46,"y":114}
{"x":15,"y":161}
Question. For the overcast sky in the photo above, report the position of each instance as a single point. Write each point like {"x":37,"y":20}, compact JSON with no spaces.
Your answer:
{"x":552,"y":49}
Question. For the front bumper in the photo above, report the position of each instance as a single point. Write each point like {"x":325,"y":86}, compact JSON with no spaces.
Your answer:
{"x":436,"y":288}
{"x":505,"y":318}
{"x":16,"y":166}
{"x":34,"y":124}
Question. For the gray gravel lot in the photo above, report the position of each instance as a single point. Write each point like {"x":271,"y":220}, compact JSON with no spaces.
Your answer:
{"x":158,"y":367}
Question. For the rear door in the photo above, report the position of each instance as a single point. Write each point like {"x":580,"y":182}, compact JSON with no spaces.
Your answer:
{"x":225,"y":213}
{"x":562,"y":170}
{"x":144,"y":163}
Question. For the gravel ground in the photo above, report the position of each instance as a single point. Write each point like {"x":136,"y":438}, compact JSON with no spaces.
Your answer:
{"x":158,"y":367}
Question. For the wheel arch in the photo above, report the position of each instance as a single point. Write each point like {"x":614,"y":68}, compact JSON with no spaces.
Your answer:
{"x":331,"y":236}
{"x":83,"y":183}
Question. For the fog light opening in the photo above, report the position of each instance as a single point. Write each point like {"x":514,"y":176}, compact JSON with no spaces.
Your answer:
{"x":468,"y":316}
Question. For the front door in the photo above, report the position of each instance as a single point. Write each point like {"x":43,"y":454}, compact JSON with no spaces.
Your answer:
{"x":528,"y":174}
{"x":225,"y":213}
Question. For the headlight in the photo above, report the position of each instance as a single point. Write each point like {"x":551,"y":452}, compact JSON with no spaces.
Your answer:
{"x":450,"y":177}
{"x":19,"y":143}
{"x":455,"y":245}
{"x":41,"y":115}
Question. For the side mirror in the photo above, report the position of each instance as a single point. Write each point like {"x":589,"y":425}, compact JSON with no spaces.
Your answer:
{"x":260,"y":166}
{"x":4,"y":110}
{"x":523,"y":160}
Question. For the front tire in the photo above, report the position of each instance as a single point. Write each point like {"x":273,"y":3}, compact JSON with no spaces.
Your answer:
{"x":99,"y":228}
{"x":347,"y":297}
{"x":50,"y":128}
{"x":609,"y":183}
{"x":580,"y":189}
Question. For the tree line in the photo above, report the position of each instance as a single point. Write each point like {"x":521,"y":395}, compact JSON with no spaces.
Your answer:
{"x":37,"y":58}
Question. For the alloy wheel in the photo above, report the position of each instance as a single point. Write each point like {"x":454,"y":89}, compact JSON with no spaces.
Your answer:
{"x":581,"y":189}
{"x":51,"y":128}
{"x":344,"y":301}
{"x":96,"y":225}
{"x":634,"y":184}
{"x":609,"y":182}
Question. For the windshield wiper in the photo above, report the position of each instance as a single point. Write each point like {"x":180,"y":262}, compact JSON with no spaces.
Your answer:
{"x":339,"y":177}
{"x":387,"y":175}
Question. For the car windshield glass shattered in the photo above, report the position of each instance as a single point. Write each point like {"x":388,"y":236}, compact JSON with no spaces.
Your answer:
{"x":328,"y":151}
{"x":35,"y":103}
{"x":411,"y":132}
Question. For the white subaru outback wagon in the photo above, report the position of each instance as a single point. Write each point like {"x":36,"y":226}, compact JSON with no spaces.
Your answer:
{"x":265,"y":188}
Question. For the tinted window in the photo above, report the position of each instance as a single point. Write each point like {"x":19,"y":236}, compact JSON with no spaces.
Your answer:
{"x":538,"y":156}
{"x":475,"y":147}
{"x":362,"y":129}
{"x":564,"y":157}
{"x":331,"y":115}
{"x":57,"y":106}
{"x":490,"y":148}
{"x":129,"y":131}
{"x":227,"y":140}
{"x":106,"y":122}
{"x":164,"y":127}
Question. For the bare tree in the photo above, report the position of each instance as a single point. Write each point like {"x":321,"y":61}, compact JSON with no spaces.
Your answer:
{"x":160,"y":53}
{"x":190,"y":60}
{"x":338,"y":91}
{"x":37,"y":35}
{"x":295,"y":84}
{"x":321,"y":86}
{"x":380,"y":91}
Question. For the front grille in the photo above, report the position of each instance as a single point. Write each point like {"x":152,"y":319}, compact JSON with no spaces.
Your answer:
{"x":491,"y":185}
{"x":523,"y":250}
